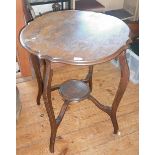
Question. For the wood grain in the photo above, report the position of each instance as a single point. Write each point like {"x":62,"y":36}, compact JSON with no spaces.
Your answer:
{"x":76,"y":37}
{"x":85,"y":130}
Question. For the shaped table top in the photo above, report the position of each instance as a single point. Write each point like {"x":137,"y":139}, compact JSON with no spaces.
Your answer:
{"x":75,"y":37}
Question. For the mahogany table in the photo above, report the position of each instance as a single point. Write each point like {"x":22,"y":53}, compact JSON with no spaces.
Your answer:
{"x":76,"y":38}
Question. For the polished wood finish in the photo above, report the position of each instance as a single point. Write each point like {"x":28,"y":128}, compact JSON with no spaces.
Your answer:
{"x":134,"y":27}
{"x":88,"y":78}
{"x":121,"y":89}
{"x":22,"y":54}
{"x":54,"y":122}
{"x":48,"y":103}
{"x":36,"y":66}
{"x":85,"y":129}
{"x":76,"y":37}
{"x":74,"y":90}
{"x":46,"y":38}
{"x":111,"y":110}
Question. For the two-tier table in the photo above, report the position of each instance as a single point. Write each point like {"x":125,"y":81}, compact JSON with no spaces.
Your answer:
{"x":76,"y":38}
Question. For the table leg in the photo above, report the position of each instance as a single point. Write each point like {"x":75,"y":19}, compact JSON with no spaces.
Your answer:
{"x":111,"y":111}
{"x":48,"y":102}
{"x":90,"y":73}
{"x":88,"y":78}
{"x":121,"y":89}
{"x":36,"y":66}
{"x":54,"y":122}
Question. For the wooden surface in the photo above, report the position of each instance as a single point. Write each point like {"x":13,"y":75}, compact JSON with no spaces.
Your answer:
{"x":134,"y":27}
{"x":85,"y":130}
{"x":76,"y":37}
{"x":22,"y":54}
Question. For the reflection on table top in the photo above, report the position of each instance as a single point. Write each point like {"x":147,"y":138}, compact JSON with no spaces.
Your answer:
{"x":75,"y":37}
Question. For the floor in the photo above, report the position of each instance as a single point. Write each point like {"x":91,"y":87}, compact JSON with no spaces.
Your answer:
{"x":85,"y":130}
{"x":89,"y":5}
{"x":119,"y":13}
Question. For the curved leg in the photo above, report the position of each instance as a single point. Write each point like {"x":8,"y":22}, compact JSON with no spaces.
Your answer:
{"x":54,"y":122}
{"x":114,"y":122}
{"x":90,"y":74}
{"x":104,"y":108}
{"x":48,"y":103}
{"x":88,"y":78}
{"x":36,"y":66}
{"x":62,"y":112}
{"x":121,"y":89}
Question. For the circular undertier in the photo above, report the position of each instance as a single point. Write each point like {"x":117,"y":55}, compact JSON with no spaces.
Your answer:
{"x":74,"y":90}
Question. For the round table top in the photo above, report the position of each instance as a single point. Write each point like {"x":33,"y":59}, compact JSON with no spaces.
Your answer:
{"x":75,"y":37}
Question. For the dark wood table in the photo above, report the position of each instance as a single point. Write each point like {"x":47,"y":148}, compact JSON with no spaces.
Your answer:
{"x":76,"y":38}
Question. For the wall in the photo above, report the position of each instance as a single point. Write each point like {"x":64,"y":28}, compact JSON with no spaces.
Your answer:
{"x":130,"y":5}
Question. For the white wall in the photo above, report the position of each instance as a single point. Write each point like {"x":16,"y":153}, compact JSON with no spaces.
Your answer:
{"x":130,"y":5}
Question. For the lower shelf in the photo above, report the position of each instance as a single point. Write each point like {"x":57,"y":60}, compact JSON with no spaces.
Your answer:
{"x":74,"y":90}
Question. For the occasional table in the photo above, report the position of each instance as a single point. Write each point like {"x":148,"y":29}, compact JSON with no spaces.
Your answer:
{"x":76,"y":38}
